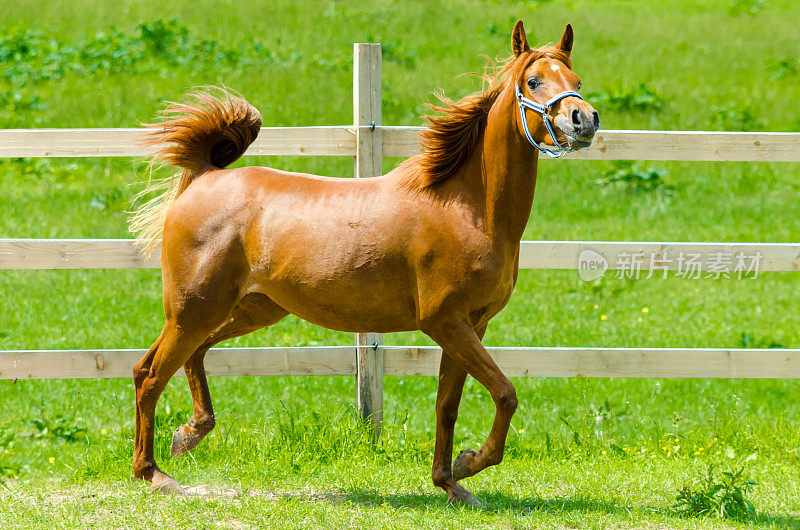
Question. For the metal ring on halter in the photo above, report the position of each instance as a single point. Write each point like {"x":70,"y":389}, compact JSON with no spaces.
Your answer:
{"x":524,"y":103}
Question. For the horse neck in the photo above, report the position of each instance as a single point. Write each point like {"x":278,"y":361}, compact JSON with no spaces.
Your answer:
{"x":508,"y":171}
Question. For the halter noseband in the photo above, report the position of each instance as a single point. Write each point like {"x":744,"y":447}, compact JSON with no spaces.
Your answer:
{"x":524,"y":103}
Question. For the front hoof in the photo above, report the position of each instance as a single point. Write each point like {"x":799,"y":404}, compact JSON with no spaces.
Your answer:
{"x":168,"y":488}
{"x":166,"y":485}
{"x":460,"y":495}
{"x":462,"y":465}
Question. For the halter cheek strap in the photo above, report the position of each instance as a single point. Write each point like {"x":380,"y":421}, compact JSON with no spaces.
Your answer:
{"x":544,"y":110}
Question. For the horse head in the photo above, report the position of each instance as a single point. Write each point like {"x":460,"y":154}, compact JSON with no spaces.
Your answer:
{"x":547,"y":85}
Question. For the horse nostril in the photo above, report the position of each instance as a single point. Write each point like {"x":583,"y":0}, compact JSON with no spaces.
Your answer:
{"x":596,"y":120}
{"x":576,"y":118}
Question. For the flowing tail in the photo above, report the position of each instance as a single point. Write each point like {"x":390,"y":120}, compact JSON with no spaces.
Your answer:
{"x":203,"y":133}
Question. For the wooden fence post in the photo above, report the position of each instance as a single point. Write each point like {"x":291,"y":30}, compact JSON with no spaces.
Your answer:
{"x":368,"y":163}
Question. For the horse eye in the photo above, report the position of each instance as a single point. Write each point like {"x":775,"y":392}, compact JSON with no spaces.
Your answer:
{"x":533,"y":84}
{"x":579,"y":85}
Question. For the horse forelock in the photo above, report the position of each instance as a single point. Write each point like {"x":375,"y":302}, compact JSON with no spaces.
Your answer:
{"x":453,"y":134}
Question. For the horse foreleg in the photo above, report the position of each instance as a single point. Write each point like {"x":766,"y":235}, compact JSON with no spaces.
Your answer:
{"x":448,"y":398}
{"x":462,"y":343}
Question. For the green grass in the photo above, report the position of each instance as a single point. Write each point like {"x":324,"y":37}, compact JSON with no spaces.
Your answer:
{"x":582,"y":453}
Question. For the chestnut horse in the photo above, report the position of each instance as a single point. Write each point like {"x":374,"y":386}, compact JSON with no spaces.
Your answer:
{"x":431,"y":246}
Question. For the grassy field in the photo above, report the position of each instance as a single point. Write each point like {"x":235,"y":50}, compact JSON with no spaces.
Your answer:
{"x":582,"y":453}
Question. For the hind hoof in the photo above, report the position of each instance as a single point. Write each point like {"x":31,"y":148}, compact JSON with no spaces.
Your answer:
{"x":183,"y":442}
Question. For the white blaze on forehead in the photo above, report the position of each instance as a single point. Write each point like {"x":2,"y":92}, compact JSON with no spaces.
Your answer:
{"x":554,"y":67}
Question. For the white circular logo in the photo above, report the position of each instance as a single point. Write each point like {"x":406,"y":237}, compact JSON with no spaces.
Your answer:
{"x":591,"y":265}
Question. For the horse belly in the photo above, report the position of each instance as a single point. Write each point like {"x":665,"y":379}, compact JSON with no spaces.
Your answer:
{"x":354,"y":300}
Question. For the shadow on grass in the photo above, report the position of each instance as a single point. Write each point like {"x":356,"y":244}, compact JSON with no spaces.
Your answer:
{"x":500,"y":504}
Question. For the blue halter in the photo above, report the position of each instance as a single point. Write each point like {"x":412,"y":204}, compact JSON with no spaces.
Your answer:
{"x":544,"y":110}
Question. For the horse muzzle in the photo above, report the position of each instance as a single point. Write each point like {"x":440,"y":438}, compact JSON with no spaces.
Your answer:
{"x":579,"y":124}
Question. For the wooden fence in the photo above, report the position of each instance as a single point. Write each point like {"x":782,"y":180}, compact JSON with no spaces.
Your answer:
{"x":367,"y":140}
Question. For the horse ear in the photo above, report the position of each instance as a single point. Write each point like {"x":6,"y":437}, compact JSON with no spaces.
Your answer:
{"x":565,"y":44}
{"x":519,"y":41}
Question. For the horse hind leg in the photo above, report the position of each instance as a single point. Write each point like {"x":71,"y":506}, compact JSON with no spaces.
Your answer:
{"x":174,"y":347}
{"x":140,"y":372}
{"x":253,"y":312}
{"x":202,"y":422}
{"x":189,"y":323}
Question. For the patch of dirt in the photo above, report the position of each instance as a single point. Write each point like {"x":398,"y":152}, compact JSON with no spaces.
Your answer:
{"x":299,"y":495}
{"x":205,"y":491}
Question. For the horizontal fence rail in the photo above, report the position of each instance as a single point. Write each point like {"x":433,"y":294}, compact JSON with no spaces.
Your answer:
{"x":651,"y":145}
{"x":83,"y":143}
{"x":404,"y":142}
{"x":405,"y":360}
{"x":123,"y":254}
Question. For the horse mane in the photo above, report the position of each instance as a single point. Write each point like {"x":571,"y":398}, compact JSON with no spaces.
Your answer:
{"x":452,"y":135}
